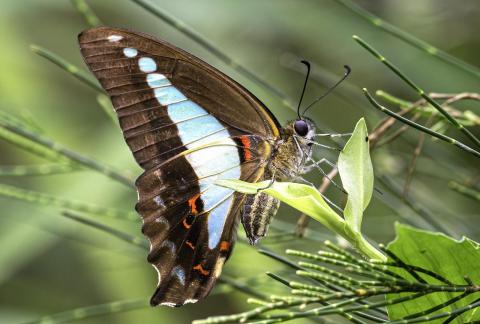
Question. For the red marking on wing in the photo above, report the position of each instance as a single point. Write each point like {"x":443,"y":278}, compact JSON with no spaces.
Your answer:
{"x":190,"y":245}
{"x":224,"y":246}
{"x":192,"y":202}
{"x":246,"y":144}
{"x":199,"y":268}
{"x":185,"y":224}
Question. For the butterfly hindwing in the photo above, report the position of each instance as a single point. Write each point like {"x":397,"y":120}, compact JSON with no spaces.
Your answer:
{"x":191,"y":224}
{"x":187,"y":125}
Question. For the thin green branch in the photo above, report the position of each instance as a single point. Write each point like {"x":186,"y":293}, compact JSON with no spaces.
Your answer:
{"x":243,"y":287}
{"x":421,"y":128}
{"x":134,"y":240}
{"x":143,"y":244}
{"x":19,"y":121}
{"x":302,"y":286}
{"x":84,"y":9}
{"x":321,"y":258}
{"x":329,"y":286}
{"x":322,"y":311}
{"x":451,"y":314}
{"x":342,"y":251}
{"x":31,"y":147}
{"x":410,"y":39}
{"x":62,"y":203}
{"x":36,"y":169}
{"x":418,"y":208}
{"x":278,"y":278}
{"x":392,"y":99}
{"x":402,"y":264}
{"x":105,"y":103}
{"x":330,"y":272}
{"x":84,"y":77}
{"x":341,"y":283}
{"x":67,"y":66}
{"x":454,"y":315}
{"x":82,"y":313}
{"x":466,"y":191}
{"x":71,"y":155}
{"x":202,"y":41}
{"x":421,"y":92}
{"x":438,"y":307}
{"x":421,"y":270}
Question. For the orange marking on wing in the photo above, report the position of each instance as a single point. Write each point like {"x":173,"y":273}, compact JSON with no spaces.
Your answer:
{"x":192,"y":202}
{"x":246,"y":144}
{"x":185,"y":224}
{"x":190,"y":245}
{"x":201,"y":270}
{"x":224,"y":246}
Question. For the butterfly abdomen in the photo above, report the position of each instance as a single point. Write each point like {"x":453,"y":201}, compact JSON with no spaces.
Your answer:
{"x":256,"y":215}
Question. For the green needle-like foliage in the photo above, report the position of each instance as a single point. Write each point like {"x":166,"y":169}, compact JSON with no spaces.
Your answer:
{"x":333,"y":281}
{"x":396,"y":279}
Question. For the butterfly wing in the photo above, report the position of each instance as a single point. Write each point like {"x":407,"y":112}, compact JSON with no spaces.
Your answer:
{"x":187,"y":125}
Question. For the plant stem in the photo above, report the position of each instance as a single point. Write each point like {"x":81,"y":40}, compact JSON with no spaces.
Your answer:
{"x":67,"y":66}
{"x":410,"y":39}
{"x":466,"y":191}
{"x":71,"y":155}
{"x":424,"y":129}
{"x":421,"y":92}
{"x":367,"y":249}
{"x":202,"y":41}
{"x":84,"y":9}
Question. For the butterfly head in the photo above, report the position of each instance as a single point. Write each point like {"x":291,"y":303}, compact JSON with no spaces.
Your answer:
{"x":304,"y":130}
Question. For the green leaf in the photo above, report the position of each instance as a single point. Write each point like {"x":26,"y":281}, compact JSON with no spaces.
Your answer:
{"x":447,"y":257}
{"x":309,"y":201}
{"x":356,"y":172}
{"x":304,"y":198}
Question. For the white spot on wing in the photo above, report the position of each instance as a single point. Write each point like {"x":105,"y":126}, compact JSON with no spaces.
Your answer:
{"x":169,"y":304}
{"x":114,"y":38}
{"x":218,"y":267}
{"x":147,"y":64}
{"x":163,"y":221}
{"x":159,"y":201}
{"x":180,"y":273}
{"x":130,"y":52}
{"x":190,"y":301}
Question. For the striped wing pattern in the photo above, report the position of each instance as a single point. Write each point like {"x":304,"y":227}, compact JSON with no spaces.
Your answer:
{"x":187,"y":125}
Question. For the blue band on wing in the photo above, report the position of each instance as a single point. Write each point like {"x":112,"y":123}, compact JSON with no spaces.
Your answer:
{"x":196,"y":127}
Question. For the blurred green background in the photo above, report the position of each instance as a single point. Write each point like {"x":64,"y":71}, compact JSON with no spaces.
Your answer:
{"x":49,"y":264}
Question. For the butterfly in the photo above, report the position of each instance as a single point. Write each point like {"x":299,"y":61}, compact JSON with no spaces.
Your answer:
{"x":188,"y":125}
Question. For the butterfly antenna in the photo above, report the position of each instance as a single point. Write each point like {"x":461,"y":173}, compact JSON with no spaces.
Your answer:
{"x":347,"y":72}
{"x":304,"y":87}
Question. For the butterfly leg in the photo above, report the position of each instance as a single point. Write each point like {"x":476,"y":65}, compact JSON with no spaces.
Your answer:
{"x":272,"y":181}
{"x":256,"y":215}
{"x":316,"y":165}
{"x":332,"y":135}
{"x":331,"y":203}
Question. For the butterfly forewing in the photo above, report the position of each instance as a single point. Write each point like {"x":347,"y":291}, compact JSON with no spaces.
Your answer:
{"x":187,"y":125}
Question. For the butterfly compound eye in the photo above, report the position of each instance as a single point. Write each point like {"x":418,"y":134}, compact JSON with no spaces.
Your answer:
{"x":301,"y":127}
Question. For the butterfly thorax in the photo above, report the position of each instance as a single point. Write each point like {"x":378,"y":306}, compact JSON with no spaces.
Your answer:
{"x":289,"y":157}
{"x":291,"y":153}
